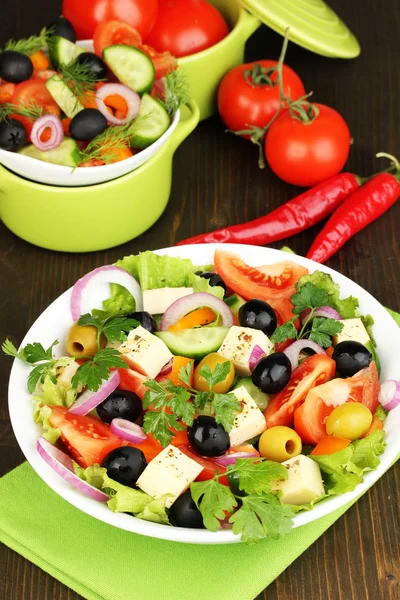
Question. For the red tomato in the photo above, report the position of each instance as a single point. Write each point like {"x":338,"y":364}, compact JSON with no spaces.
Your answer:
{"x":209,"y":466}
{"x":151,"y":448}
{"x":163,"y":62}
{"x":310,"y":418}
{"x":272,"y":283}
{"x":187,"y":26}
{"x":306,"y":154}
{"x":35,"y":90}
{"x":26,"y":122}
{"x":114,"y":32}
{"x":6,"y":92}
{"x":85,"y":15}
{"x":312,"y":372}
{"x":243,"y":102}
{"x":44,"y":74}
{"x":133,"y":381}
{"x":87,"y":439}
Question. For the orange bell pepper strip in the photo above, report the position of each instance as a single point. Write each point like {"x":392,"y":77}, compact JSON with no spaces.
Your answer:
{"x":40,"y":61}
{"x":201,"y":316}
{"x":376,"y":425}
{"x":177,"y":364}
{"x":329,"y":444}
{"x":117,"y":106}
{"x":118,"y":153}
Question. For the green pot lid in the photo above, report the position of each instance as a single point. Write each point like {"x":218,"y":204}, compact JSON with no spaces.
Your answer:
{"x":312,"y":23}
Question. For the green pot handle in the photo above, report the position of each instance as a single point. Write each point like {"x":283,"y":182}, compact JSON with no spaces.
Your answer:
{"x":190,"y":116}
{"x":249,"y":24}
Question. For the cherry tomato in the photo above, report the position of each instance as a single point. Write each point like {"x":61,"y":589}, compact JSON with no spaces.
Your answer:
{"x":246,"y":98}
{"x":85,"y":15}
{"x":313,"y":371}
{"x":114,"y":32}
{"x":35,"y":91}
{"x":187,"y":26}
{"x":307,"y":153}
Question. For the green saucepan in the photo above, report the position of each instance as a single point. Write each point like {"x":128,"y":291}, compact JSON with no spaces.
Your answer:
{"x":58,"y":218}
{"x":205,"y":69}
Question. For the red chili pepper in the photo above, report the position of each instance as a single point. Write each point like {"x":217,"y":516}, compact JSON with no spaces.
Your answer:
{"x":298,"y":214}
{"x":359,"y":210}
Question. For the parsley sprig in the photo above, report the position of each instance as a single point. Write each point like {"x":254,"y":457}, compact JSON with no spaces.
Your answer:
{"x":33,"y":354}
{"x":309,"y":297}
{"x":169,"y":403}
{"x":260,"y":513}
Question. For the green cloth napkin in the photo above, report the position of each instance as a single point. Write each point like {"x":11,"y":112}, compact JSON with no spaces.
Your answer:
{"x":101,"y":562}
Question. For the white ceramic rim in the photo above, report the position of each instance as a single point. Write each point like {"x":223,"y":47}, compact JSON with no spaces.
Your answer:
{"x":387,"y":335}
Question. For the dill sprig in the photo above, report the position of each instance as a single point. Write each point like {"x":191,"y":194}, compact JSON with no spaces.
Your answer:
{"x":176,"y":91}
{"x":31,"y":111}
{"x":30,"y":45}
{"x":79,"y":78}
{"x":105,"y":145}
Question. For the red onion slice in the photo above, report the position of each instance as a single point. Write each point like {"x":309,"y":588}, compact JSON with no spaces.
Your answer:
{"x":89,"y":400}
{"x":183,"y":306}
{"x":166,"y":368}
{"x":83,"y":288}
{"x":256,"y":355}
{"x":293,"y":351}
{"x":131,"y":432}
{"x":131,"y":98}
{"x":323,"y":311}
{"x":62,"y":464}
{"x":230,"y":459}
{"x":53,"y":123}
{"x":389,"y":394}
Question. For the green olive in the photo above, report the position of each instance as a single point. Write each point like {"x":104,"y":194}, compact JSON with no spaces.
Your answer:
{"x":280,"y":443}
{"x":212,"y":360}
{"x":350,"y":420}
{"x":82,"y":340}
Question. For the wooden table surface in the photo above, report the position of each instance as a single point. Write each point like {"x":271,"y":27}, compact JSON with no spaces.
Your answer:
{"x":217,"y":182}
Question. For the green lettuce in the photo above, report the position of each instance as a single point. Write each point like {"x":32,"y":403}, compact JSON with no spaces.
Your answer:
{"x":201,"y":284}
{"x":346,"y":307}
{"x":41,"y":415}
{"x":123,"y":498}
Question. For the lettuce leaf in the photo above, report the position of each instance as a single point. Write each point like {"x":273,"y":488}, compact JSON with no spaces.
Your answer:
{"x":123,"y":498}
{"x":346,"y":307}
{"x":201,"y":284}
{"x":41,"y":415}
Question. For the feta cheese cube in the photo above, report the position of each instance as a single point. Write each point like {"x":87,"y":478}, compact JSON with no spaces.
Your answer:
{"x":170,"y":472}
{"x":248,"y":423}
{"x":157,"y":301}
{"x":144,"y":352}
{"x":238,"y":346}
{"x":353,"y":330}
{"x":304,"y":482}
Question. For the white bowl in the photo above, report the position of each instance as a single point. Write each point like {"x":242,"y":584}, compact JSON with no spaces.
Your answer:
{"x":54,"y":323}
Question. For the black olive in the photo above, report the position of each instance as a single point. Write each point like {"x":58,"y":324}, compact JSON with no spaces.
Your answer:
{"x":214,"y":279}
{"x":145,"y":319}
{"x":86,"y":124}
{"x":208,"y":437}
{"x":12,"y":135}
{"x":233,"y":480}
{"x":258,"y":315}
{"x":272,"y":373}
{"x":94,"y":64}
{"x":184,"y":513}
{"x":63,"y":28}
{"x":15,"y":66}
{"x":350,"y":357}
{"x":125,"y":465}
{"x":121,"y":404}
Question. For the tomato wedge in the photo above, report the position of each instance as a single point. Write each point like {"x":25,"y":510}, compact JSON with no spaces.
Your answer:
{"x":310,"y":418}
{"x":87,"y":439}
{"x":163,"y":62}
{"x":114,"y":32}
{"x":6,"y":92}
{"x":133,"y":381}
{"x":151,"y":447}
{"x":209,"y":466}
{"x":312,"y":372}
{"x":35,"y":91}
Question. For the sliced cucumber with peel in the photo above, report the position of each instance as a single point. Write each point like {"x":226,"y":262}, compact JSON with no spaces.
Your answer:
{"x":62,"y":51}
{"x":132,"y":67}
{"x":194,"y":343}
{"x":67,"y":154}
{"x":64,"y":97}
{"x":152,"y":121}
{"x":258,"y":396}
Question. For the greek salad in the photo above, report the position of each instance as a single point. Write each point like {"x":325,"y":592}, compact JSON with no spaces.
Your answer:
{"x":213,"y":396}
{"x":67,"y":106}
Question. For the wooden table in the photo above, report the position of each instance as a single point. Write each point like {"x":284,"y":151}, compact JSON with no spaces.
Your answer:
{"x":217,"y":182}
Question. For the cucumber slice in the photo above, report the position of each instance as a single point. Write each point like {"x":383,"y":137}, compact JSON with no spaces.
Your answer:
{"x":235,"y":302}
{"x":194,"y":343}
{"x":153,"y":122}
{"x":64,"y":97}
{"x":258,"y":396}
{"x":62,"y":51}
{"x":132,"y":67}
{"x":67,"y":154}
